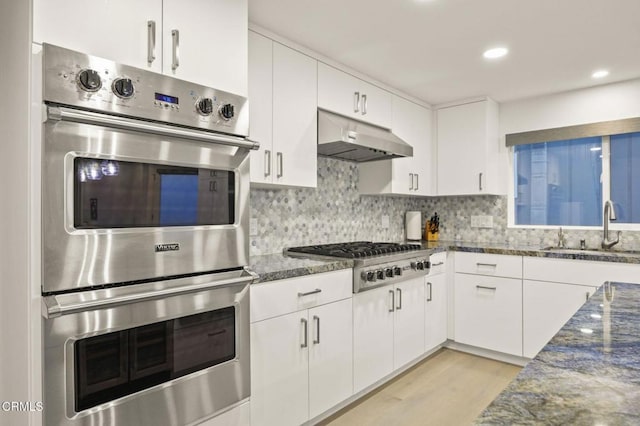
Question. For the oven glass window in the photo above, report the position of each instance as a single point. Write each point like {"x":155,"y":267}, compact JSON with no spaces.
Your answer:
{"x":123,"y":194}
{"x":116,"y":364}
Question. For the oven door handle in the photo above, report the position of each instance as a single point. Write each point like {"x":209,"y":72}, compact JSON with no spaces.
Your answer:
{"x":63,"y":304}
{"x":78,"y":116}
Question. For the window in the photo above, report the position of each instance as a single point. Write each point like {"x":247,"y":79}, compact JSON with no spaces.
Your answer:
{"x":565,"y":183}
{"x":558,"y":183}
{"x":625,"y":176}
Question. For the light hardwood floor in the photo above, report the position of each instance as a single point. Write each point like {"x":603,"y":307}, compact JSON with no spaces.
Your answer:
{"x":448,"y":388}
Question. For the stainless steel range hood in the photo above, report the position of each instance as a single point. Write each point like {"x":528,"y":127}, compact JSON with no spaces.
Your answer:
{"x":347,"y":139}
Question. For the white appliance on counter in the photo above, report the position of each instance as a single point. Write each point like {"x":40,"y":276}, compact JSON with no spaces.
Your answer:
{"x":413,"y":225}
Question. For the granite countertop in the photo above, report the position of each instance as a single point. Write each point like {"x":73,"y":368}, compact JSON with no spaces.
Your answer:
{"x":588,"y":374}
{"x":271,"y":267}
{"x":278,"y":266}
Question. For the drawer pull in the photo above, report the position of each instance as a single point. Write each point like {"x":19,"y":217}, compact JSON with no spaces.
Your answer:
{"x":399,"y":305}
{"x":491,"y":265}
{"x":483,"y":287}
{"x":305,"y":328}
{"x":430,"y":298}
{"x":437,"y":264}
{"x":316,"y":341}
{"x":393,"y":301}
{"x":309,"y":293}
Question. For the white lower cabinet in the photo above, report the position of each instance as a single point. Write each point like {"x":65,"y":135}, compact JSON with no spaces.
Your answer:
{"x":435,"y":311}
{"x":301,"y":362}
{"x":388,"y":330}
{"x":488,"y":312}
{"x":547,"y":306}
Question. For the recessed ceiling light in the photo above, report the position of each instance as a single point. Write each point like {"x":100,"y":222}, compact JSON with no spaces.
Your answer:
{"x":600,"y":74}
{"x":497,"y":52}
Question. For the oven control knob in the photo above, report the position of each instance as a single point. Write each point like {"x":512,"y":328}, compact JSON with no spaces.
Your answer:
{"x":420,"y":265}
{"x":123,"y":88}
{"x":380,"y":274}
{"x":388,"y":272}
{"x":368,"y":276}
{"x":397,"y":271}
{"x":205,"y":106}
{"x":226,"y":111}
{"x":89,"y":80}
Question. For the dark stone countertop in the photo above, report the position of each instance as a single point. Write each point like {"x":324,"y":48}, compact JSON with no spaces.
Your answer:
{"x":272,"y":267}
{"x":278,"y":266}
{"x":588,"y":374}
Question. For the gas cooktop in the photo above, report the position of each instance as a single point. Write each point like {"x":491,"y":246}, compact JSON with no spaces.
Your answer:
{"x":354,"y":250}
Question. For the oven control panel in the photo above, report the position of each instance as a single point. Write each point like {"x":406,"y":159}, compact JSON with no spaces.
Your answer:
{"x":384,"y":273}
{"x":88,"y":82}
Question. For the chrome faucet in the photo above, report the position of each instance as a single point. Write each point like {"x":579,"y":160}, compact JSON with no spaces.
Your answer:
{"x":609,"y":214}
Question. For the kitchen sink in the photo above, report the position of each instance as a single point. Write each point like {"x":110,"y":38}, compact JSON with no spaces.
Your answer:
{"x":594,"y":251}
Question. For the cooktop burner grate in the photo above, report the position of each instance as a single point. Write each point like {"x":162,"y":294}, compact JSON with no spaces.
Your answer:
{"x":357,"y":249}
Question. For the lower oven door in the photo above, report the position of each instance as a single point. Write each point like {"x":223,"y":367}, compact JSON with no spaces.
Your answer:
{"x":165,"y":353}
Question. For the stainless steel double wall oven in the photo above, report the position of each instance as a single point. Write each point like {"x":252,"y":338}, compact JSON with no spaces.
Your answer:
{"x":145,"y":243}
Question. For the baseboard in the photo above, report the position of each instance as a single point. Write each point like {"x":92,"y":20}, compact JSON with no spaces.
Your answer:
{"x":486,"y":353}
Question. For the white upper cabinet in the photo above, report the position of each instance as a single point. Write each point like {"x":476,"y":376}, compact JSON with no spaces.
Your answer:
{"x":407,"y":176}
{"x":345,"y":94}
{"x":467,"y":141}
{"x":143,"y":34}
{"x":282,"y":114}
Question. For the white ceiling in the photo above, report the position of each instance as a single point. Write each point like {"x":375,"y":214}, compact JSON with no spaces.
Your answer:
{"x":432,"y":49}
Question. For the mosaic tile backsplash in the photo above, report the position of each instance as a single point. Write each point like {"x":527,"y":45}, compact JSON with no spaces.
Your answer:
{"x":336,"y":212}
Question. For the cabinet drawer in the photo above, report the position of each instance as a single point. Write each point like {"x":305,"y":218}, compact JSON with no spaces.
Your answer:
{"x":488,"y":312}
{"x":581,"y":272}
{"x":281,"y":297}
{"x":498,"y":265}
{"x":438,"y":263}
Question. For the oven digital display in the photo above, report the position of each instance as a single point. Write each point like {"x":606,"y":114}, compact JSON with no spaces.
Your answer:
{"x":166,"y":98}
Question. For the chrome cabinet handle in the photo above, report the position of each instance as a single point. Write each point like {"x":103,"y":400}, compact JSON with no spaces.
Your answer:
{"x":492,"y":265}
{"x":480,"y":182}
{"x":393,"y":301}
{"x":411,"y":179}
{"x":430,"y":298}
{"x":175,"y":62}
{"x":356,"y":101}
{"x":280,"y":165}
{"x":399,"y":306}
{"x":417,"y":181}
{"x":309,"y":293}
{"x":305,"y":326}
{"x":364,"y":104}
{"x":151,"y":41}
{"x":437,"y":264}
{"x":317,"y":321}
{"x":483,"y":287}
{"x":267,"y":163}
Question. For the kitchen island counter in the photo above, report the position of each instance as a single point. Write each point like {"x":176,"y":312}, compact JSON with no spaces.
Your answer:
{"x":588,"y":374}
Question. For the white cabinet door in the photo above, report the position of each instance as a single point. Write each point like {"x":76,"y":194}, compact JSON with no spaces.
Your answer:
{"x":373,"y":313}
{"x":468,"y":149}
{"x":547,"y":306}
{"x":408,"y":176}
{"x":211,"y":42}
{"x":408,"y":334}
{"x":330,"y":355}
{"x":280,"y":370}
{"x":115,"y":29}
{"x":488,"y":312}
{"x":435,"y":311}
{"x":261,"y":106}
{"x":375,"y":105}
{"x":295,"y":118}
{"x":347,"y":95}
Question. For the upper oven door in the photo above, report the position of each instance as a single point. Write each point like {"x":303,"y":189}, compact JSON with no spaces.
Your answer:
{"x":126,"y":200}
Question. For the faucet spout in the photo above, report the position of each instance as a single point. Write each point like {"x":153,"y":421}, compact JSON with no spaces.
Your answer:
{"x":609,"y":214}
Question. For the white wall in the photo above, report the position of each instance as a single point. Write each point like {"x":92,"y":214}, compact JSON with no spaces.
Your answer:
{"x":16,"y":326}
{"x":601,"y":103}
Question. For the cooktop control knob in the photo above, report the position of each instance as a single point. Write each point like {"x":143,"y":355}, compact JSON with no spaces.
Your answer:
{"x":380,"y":274}
{"x":226,"y":111}
{"x":388,"y":272}
{"x":205,"y":106}
{"x":123,"y":88}
{"x":420,"y":265}
{"x":89,"y":80}
{"x":397,"y":271}
{"x":369,"y":276}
